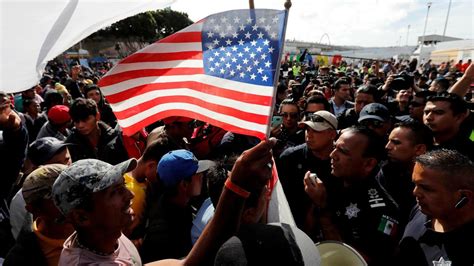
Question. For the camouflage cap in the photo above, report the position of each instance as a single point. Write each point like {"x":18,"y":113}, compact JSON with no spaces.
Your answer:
{"x":85,"y":177}
{"x":38,"y":184}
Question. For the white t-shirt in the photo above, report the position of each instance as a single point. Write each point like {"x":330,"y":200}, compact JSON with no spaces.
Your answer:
{"x":125,"y":254}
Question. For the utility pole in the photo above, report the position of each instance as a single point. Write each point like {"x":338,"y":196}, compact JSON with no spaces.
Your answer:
{"x":447,"y":17}
{"x":408,"y":31}
{"x":424,"y":32}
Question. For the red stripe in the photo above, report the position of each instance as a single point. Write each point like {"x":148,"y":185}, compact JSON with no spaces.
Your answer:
{"x":240,"y":114}
{"x":182,"y":37}
{"x":197,"y":86}
{"x":133,"y":74}
{"x":145,"y":122}
{"x":157,"y":57}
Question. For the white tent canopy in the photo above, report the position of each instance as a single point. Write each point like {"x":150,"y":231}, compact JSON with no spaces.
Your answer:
{"x":34,"y":32}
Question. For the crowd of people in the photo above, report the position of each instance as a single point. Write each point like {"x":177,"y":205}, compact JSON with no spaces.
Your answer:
{"x":375,"y":154}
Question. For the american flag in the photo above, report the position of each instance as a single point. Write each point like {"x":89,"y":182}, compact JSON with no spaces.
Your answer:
{"x":220,"y":70}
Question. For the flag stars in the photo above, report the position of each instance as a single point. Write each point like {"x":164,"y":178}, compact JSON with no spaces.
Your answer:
{"x":246,"y":49}
{"x":222,"y":71}
{"x":271,"y":49}
{"x":263,"y":56}
{"x":247,"y":35}
{"x":228,"y":42}
{"x":245,"y":61}
{"x":255,"y":63}
{"x":229,"y":27}
{"x":253,"y":43}
{"x":212,"y":69}
{"x":217,"y":27}
{"x":235,"y":35}
{"x":216,"y":42}
{"x":210,"y":34}
{"x":273,"y":35}
{"x":260,"y":35}
{"x":249,"y":20}
{"x":260,"y":70}
{"x":249,"y":69}
{"x":222,"y":59}
{"x":275,"y":20}
{"x":252,"y":55}
{"x":222,"y":48}
{"x":217,"y":64}
{"x":211,"y":59}
{"x":242,"y":75}
{"x":252,"y":76}
{"x":262,"y":20}
{"x":232,"y":73}
{"x":259,"y":49}
{"x":212,"y":20}
{"x":228,"y":54}
{"x":268,"y":27}
{"x":241,"y":27}
{"x":223,"y":19}
{"x":268,"y":64}
{"x":264,"y":78}
{"x":238,"y":67}
{"x":254,"y":27}
{"x":216,"y":54}
{"x":227,"y":65}
{"x":236,"y":20}
{"x":234,"y":60}
{"x":241,"y":42}
{"x":240,"y":54}
{"x":266,"y":42}
{"x":234,"y":49}
{"x":222,"y":34}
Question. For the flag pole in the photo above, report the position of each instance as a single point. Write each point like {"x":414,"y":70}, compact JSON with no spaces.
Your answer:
{"x":277,"y":69}
{"x":251,"y":4}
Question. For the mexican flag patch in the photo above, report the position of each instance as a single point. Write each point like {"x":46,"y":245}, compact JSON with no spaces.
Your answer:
{"x":388,"y":225}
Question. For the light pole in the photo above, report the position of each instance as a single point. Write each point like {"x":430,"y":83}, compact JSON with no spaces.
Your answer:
{"x":424,"y":32}
{"x":447,"y":17}
{"x":408,"y":31}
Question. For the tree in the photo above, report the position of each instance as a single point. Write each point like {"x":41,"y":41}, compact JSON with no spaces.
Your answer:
{"x":142,"y":29}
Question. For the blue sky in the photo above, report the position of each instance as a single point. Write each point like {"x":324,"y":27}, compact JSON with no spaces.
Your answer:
{"x":350,"y":22}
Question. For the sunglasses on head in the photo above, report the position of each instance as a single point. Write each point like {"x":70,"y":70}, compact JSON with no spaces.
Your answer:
{"x":372,"y":123}
{"x":292,"y":115}
{"x":319,"y":119}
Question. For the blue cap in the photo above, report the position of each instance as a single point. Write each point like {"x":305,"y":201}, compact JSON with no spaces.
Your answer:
{"x":180,"y":165}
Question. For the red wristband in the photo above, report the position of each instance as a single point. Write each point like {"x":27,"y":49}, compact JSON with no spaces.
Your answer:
{"x":236,"y":189}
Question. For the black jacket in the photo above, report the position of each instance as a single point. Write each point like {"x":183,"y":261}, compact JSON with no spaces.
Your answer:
{"x":110,"y":148}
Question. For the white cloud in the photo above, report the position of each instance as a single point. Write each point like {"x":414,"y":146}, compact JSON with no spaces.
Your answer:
{"x":351,"y":22}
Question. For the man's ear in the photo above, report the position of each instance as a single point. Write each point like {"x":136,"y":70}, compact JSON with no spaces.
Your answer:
{"x":370,"y":164}
{"x":97,"y":116}
{"x":420,"y":149}
{"x":79,"y":217}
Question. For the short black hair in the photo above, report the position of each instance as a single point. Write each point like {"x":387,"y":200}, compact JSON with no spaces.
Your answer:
{"x":458,"y":170}
{"x":421,"y":134}
{"x":443,"y":83}
{"x":457,"y":104}
{"x":288,"y":102}
{"x":82,"y":108}
{"x":339,"y":82}
{"x":367,"y":89}
{"x":317,"y":100}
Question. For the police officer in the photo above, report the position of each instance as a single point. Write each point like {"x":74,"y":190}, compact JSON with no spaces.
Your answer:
{"x":364,"y":215}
